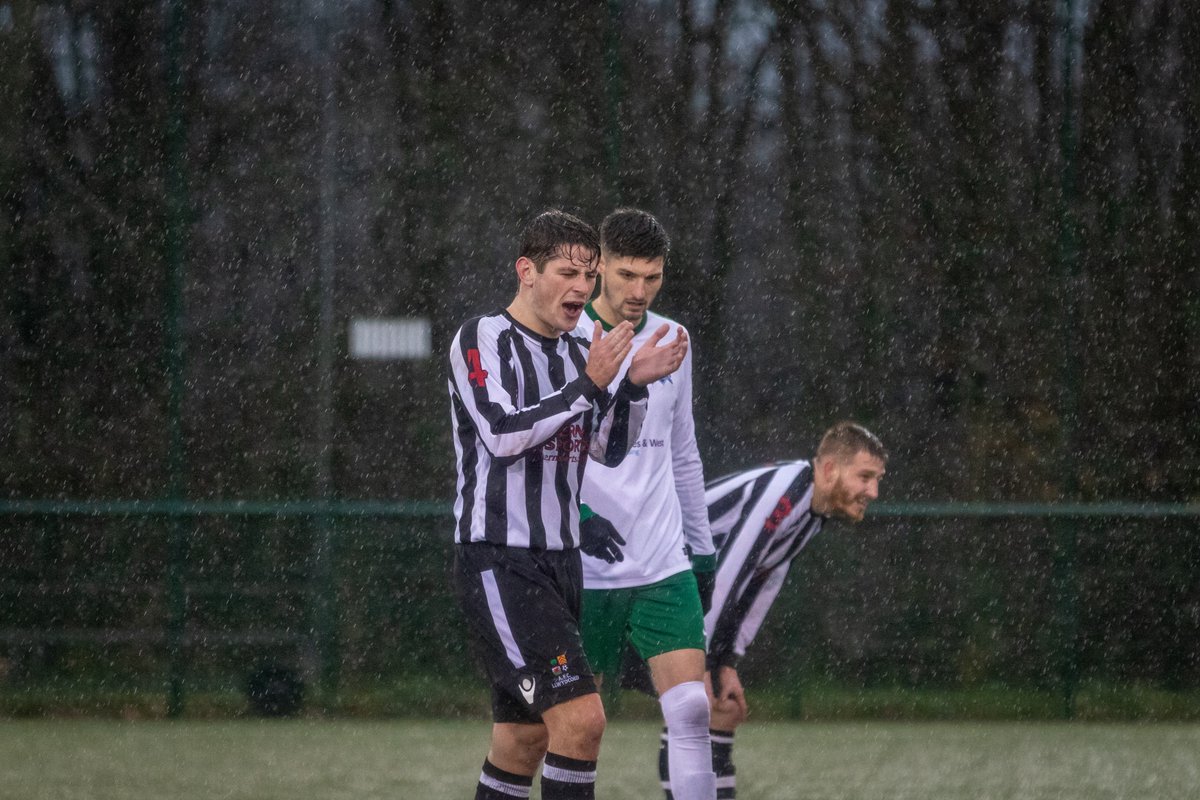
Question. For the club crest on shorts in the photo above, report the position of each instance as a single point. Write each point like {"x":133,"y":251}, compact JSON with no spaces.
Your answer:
{"x":561,"y":671}
{"x":527,"y":685}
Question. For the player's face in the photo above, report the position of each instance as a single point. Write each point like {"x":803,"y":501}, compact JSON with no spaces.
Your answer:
{"x":558,"y":293}
{"x":856,"y":486}
{"x":630,"y":284}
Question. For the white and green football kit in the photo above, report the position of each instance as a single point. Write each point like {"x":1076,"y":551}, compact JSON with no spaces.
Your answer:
{"x":655,"y":501}
{"x":643,"y":590}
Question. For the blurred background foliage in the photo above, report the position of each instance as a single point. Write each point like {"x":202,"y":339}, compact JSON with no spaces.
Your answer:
{"x":973,"y":227}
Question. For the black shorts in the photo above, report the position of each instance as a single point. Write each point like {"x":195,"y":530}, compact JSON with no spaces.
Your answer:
{"x":522,"y":607}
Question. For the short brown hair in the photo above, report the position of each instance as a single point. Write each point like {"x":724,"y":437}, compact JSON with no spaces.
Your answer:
{"x":633,"y":233}
{"x":845,"y":439}
{"x":552,"y":232}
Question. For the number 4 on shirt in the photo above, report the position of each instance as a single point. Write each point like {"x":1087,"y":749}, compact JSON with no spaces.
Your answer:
{"x":478,"y":375}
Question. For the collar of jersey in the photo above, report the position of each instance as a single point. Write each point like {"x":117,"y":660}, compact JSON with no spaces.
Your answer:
{"x":594,"y":314}
{"x":530,"y":332}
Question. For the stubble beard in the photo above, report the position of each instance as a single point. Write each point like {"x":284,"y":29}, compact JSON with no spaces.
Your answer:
{"x":847,"y":504}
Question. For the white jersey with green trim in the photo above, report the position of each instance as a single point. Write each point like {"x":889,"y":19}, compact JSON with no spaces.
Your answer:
{"x":655,"y":497}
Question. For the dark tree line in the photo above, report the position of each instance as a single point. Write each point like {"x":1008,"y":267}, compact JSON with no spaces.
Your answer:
{"x":973,"y":226}
{"x":869,"y":205}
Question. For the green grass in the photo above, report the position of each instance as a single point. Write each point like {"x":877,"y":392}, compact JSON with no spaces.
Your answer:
{"x":438,"y":760}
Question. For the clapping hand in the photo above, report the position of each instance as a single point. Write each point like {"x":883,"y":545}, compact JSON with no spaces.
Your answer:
{"x":607,"y":352}
{"x":651,"y":362}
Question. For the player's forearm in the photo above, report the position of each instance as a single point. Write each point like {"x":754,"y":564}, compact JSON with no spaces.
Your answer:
{"x":619,"y":424}
{"x":689,"y":487}
{"x":714,"y":661}
{"x":512,"y":432}
{"x":688,"y":468}
{"x":722,"y":636}
{"x":701,"y":545}
{"x":485,"y":389}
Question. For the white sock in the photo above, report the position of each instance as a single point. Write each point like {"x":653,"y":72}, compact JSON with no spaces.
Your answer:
{"x":685,"y":709}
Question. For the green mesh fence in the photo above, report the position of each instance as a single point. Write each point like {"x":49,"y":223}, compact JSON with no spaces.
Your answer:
{"x":947,"y":596}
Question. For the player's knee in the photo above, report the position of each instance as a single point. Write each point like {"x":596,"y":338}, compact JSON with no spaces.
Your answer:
{"x":685,"y":708}
{"x":591,"y":723}
{"x":576,"y":727}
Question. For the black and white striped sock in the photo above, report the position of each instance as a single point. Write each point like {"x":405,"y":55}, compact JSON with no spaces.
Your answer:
{"x":664,"y":765}
{"x":497,"y":784}
{"x":722,"y":752}
{"x":568,"y":778}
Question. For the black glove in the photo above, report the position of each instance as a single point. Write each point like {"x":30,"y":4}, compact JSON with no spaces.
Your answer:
{"x":600,"y":539}
{"x":705,"y":581}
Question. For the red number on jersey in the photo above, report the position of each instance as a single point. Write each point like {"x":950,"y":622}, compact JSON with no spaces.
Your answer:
{"x":478,"y":375}
{"x":782,"y":509}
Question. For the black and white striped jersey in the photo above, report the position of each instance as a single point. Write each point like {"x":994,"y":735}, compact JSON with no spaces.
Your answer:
{"x":761,"y":519}
{"x":526,"y":418}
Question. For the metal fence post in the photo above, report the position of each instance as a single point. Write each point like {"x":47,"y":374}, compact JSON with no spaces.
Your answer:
{"x":175,"y":222}
{"x":1066,"y":611}
{"x":1068,"y":252}
{"x":324,"y":609}
{"x":324,"y":615}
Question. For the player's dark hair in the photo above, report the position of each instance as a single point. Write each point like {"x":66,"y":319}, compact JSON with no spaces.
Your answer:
{"x":633,"y":233}
{"x":552,"y":232}
{"x":845,"y":439}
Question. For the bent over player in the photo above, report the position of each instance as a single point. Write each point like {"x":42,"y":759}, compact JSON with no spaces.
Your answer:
{"x":529,"y":406}
{"x":761,"y":519}
{"x":639,"y":585}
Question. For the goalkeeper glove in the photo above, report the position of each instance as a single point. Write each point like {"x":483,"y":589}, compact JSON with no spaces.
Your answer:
{"x":599,"y":539}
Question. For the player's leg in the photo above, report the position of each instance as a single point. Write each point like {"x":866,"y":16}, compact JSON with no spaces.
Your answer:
{"x":667,"y":628}
{"x":722,"y":759}
{"x":518,"y":740}
{"x":522,"y":608}
{"x":518,"y":746}
{"x":575,"y":728}
{"x":673,"y":668}
{"x":727,"y":716}
{"x":685,"y":763}
{"x":573,"y":713}
{"x":513,"y":757}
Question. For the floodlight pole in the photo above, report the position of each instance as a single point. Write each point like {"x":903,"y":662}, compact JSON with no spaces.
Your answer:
{"x":1065,"y":562}
{"x":176,"y":186}
{"x":324,"y":586}
{"x":612,"y":151}
{"x":615,"y":88}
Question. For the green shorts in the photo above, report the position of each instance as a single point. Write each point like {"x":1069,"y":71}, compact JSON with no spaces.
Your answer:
{"x":656,"y":619}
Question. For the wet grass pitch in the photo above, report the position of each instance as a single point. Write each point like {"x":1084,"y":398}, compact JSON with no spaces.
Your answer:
{"x":434,"y":759}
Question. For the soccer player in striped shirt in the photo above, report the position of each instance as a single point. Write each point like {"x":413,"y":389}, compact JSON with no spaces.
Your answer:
{"x":530,"y":406}
{"x":761,"y":519}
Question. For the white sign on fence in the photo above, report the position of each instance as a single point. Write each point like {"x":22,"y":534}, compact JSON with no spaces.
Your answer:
{"x":390,"y":338}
